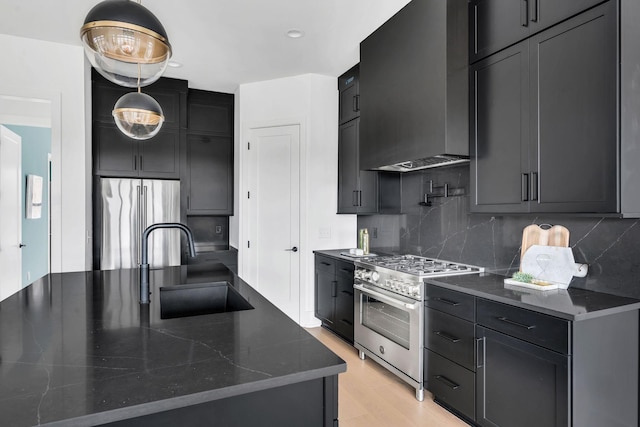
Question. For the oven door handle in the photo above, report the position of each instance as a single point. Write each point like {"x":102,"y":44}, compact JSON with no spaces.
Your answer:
{"x":388,"y":300}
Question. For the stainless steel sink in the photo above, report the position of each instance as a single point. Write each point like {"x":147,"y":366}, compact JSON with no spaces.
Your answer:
{"x":199,"y":299}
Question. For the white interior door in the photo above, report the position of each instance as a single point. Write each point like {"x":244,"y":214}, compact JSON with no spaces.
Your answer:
{"x":274,"y":215}
{"x":10,"y":212}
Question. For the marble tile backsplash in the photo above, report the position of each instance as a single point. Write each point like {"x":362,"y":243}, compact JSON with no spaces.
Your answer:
{"x":446,"y":230}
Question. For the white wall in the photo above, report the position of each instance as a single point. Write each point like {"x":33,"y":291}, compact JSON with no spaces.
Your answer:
{"x":58,"y":73}
{"x":312,"y":101}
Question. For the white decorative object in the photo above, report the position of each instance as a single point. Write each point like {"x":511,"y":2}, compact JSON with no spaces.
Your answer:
{"x":552,"y":264}
{"x":33,"y":208}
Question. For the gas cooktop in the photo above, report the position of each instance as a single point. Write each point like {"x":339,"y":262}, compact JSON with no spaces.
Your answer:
{"x":421,"y":267}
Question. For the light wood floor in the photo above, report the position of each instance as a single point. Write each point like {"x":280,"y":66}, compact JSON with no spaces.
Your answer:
{"x":371,"y":396}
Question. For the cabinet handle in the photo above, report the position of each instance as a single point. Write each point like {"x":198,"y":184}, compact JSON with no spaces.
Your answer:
{"x":347,"y":321}
{"x":334,"y":289}
{"x":447,"y":301}
{"x":347,"y":292}
{"x":479,"y":352}
{"x":359,"y":198}
{"x":188,"y":202}
{"x":356,"y":103}
{"x":447,"y":336}
{"x":325,"y":263}
{"x":524,"y":184}
{"x":345,"y":270}
{"x":534,"y":185}
{"x":446,"y":381}
{"x":520,"y":325}
{"x":141,"y":166}
{"x":534,"y":11}
{"x":135,"y":163}
{"x":524,"y":13}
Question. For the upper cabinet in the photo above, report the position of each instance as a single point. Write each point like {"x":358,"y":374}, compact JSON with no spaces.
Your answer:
{"x":116,"y":155}
{"x":544,"y":113}
{"x":497,"y":24}
{"x":349,"y":94}
{"x":414,"y":88}
{"x":208,"y":171}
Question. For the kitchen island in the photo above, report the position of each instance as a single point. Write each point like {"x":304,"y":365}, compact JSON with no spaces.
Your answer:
{"x":77,"y":349}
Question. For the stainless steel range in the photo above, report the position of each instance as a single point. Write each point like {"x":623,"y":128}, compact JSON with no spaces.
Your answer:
{"x":389,"y":310}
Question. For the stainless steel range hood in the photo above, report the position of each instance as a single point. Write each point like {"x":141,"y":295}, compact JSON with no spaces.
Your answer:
{"x":426,"y":163}
{"x":414,"y":89}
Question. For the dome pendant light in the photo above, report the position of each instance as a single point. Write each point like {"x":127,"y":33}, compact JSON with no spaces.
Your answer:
{"x":119,"y":35}
{"x":138,"y":115}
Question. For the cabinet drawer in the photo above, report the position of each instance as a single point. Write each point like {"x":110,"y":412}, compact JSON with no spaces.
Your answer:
{"x":451,"y":302}
{"x":450,"y":383}
{"x":325,"y":265}
{"x":344,"y":269}
{"x":450,"y":337}
{"x":536,"y":328}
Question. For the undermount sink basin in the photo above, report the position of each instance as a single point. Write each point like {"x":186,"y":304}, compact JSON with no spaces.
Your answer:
{"x":201,"y":298}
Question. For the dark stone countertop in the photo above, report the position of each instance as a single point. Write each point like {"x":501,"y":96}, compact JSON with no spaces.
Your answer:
{"x":571,"y":304}
{"x":77,"y":350}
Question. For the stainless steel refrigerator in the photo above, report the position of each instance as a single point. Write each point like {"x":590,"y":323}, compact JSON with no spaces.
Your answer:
{"x":128,"y":206}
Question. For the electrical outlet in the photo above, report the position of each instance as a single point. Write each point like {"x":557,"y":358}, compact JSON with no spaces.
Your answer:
{"x":218,"y":229}
{"x":324,"y":233}
{"x":375,"y":232}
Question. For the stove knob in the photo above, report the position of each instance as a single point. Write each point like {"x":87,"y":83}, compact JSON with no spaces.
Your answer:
{"x":375,"y":276}
{"x":366,"y":275}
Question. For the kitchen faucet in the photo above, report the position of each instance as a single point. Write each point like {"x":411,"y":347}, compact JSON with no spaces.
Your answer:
{"x":144,"y":265}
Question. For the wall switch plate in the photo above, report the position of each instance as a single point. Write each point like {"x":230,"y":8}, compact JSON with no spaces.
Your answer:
{"x":375,"y":232}
{"x":324,"y":232}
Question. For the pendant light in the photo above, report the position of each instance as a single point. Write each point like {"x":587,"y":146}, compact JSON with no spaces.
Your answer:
{"x":125,"y":42}
{"x":138,"y":115}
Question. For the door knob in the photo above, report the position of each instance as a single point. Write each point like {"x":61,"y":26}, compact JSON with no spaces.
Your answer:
{"x":293,"y":249}
{"x":21,"y":245}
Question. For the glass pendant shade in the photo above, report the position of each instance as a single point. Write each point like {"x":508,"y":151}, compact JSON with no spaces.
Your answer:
{"x":123,"y":40}
{"x":138,"y":115}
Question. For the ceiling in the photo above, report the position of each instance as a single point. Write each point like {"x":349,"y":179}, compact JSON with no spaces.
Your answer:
{"x":224,"y":43}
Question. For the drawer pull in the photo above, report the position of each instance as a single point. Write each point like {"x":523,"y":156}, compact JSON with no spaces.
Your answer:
{"x":447,"y":336}
{"x":446,"y":381}
{"x":347,"y":292}
{"x":325,"y":263}
{"x":479,"y":352}
{"x":520,"y":325}
{"x":348,"y":322}
{"x":447,"y":301}
{"x":346,"y":270}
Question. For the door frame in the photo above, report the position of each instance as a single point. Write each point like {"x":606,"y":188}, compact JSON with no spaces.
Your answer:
{"x":243,"y":188}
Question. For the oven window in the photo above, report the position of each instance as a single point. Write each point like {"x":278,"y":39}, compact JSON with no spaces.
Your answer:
{"x":390,"y":322}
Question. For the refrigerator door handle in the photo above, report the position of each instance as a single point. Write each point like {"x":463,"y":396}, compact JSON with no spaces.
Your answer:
{"x":139,"y":230}
{"x":144,"y":206}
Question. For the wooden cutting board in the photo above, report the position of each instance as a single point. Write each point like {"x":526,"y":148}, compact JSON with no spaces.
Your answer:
{"x":546,"y":235}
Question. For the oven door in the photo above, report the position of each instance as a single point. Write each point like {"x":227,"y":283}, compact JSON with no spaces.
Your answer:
{"x":390,"y":327}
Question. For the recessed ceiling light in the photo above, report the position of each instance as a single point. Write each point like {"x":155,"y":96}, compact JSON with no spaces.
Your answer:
{"x":295,"y":34}
{"x":174,"y":64}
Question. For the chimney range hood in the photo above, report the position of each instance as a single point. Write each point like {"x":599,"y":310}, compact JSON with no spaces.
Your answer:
{"x":414,"y":89}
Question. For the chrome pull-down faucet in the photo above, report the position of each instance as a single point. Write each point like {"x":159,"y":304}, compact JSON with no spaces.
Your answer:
{"x":144,"y":265}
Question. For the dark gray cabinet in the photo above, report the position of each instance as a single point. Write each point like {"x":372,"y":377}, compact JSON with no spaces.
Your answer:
{"x":357,"y":190}
{"x":450,"y":349}
{"x":349,"y":95}
{"x":209,"y":175}
{"x":496,"y":24}
{"x":499,"y":365}
{"x":209,"y":153}
{"x":334,"y":295}
{"x":117,"y":155}
{"x":544,"y":111}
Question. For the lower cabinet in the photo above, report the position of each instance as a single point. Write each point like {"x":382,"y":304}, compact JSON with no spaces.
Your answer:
{"x":334,"y":295}
{"x":497,"y":365}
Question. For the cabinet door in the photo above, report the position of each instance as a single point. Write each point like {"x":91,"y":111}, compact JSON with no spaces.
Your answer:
{"x":325,"y":300}
{"x":545,"y":13}
{"x":499,"y":108}
{"x":348,"y":91}
{"x":520,"y":384}
{"x":348,"y":167}
{"x":574,"y":104}
{"x":114,"y":153}
{"x":496,"y":24}
{"x":159,"y":157}
{"x":344,"y":300}
{"x":210,"y":175}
